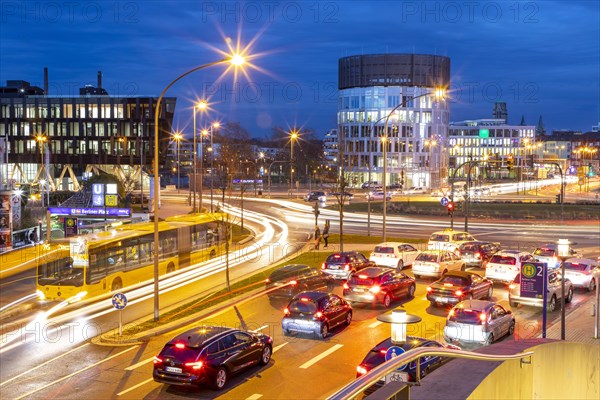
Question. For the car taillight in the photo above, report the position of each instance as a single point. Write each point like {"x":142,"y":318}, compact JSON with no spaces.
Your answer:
{"x":382,"y":351}
{"x":286,"y":311}
{"x":512,"y":286}
{"x":478,"y":255}
{"x":375,"y":289}
{"x":324,"y":265}
{"x":362,"y":276}
{"x":318,"y":314}
{"x":451,"y":313}
{"x":458,"y":293}
{"x":157,"y":360}
{"x":361,"y":370}
{"x":429,"y":288}
{"x":345,"y":286}
{"x":347,"y":267}
{"x":195,"y":365}
{"x":180,"y":345}
{"x":482,"y":317}
{"x":293,"y":283}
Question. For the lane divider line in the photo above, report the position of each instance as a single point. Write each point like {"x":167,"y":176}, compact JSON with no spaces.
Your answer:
{"x":135,"y":387}
{"x":279,"y":347}
{"x":255,"y":396}
{"x":375,"y":324}
{"x":134,"y":366}
{"x":321,"y":356}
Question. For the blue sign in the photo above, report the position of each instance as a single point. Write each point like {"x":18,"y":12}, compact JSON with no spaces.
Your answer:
{"x":108,"y":211}
{"x":532,"y":279}
{"x":119,"y":301}
{"x":394,"y":351}
{"x":444,"y":201}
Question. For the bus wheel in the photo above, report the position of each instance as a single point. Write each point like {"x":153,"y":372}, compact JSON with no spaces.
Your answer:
{"x":117,"y":285}
{"x":170,"y":268}
{"x":213,"y":254}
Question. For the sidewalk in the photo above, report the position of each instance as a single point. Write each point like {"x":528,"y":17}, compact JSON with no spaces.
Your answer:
{"x":579,"y":326}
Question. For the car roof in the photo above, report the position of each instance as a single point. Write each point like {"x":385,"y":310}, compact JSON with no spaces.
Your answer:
{"x":590,"y":261}
{"x":411,"y":342}
{"x":314,"y":296}
{"x":511,"y":253}
{"x":476,"y":242}
{"x":449,"y":231}
{"x":391,"y":244}
{"x":437,"y":251}
{"x":462,"y":274}
{"x":478,"y":305}
{"x":344,"y":253}
{"x":197,"y":336}
{"x":290,"y":268}
{"x":373,"y":272}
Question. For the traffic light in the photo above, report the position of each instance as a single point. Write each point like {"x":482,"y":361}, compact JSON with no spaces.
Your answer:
{"x":509,"y":164}
{"x":530,"y":160}
{"x":558,"y":199}
{"x":450,"y":207}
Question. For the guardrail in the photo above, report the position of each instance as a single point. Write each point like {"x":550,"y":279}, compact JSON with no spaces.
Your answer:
{"x":357,"y":386}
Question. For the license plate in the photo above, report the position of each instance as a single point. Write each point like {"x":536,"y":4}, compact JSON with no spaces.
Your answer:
{"x":173,"y":369}
{"x":359,"y":290}
{"x":333,"y":267}
{"x":396,"y":377}
{"x":441,"y":299}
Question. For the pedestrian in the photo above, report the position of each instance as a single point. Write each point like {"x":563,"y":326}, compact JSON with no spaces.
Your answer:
{"x":326,"y":234}
{"x":317,"y":237}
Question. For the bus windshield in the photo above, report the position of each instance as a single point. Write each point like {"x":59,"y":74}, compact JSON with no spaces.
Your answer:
{"x":60,"y":272}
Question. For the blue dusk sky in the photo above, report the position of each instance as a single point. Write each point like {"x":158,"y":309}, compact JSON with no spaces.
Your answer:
{"x":540,"y":57}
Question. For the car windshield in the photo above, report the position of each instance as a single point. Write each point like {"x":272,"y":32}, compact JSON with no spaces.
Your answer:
{"x":186,"y":354}
{"x":384,"y":249}
{"x":544,"y":252}
{"x":575,"y":266}
{"x":303,"y":306}
{"x":465,"y":316}
{"x":439,"y":238}
{"x":454,"y":280}
{"x":429,"y":257}
{"x":336,"y":259}
{"x":505,"y":260}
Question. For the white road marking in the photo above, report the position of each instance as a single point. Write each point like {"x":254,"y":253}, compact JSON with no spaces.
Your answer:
{"x":261,"y":328}
{"x":41,"y":365}
{"x":375,"y":324}
{"x":74,"y":373}
{"x":254,"y":396}
{"x":321,"y":356}
{"x":278,"y":347}
{"x":135,"y":387}
{"x":134,"y":366}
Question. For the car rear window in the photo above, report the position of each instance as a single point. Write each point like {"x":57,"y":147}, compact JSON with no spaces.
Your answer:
{"x":455,"y":280}
{"x":384,"y":249}
{"x":357,"y":280}
{"x":469,"y":247}
{"x":281,"y":275}
{"x":575,"y":266}
{"x":505,"y":260}
{"x":466,"y":316}
{"x":427,"y":257}
{"x":439,"y":238}
{"x":305,"y":307}
{"x":186,"y":354}
{"x":336,"y":259}
{"x":544,"y":252}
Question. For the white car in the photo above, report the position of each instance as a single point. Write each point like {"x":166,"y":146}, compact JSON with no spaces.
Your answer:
{"x":506,"y":264}
{"x":548,"y":254}
{"x":583,"y":272}
{"x":435,"y":263}
{"x":394,"y":254}
{"x":378,"y":195}
{"x":554,"y":295}
{"x":416,"y":190}
{"x":448,"y":239}
{"x":478,"y":321}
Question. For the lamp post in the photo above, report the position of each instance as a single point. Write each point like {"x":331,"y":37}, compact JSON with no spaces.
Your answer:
{"x":41,"y":139}
{"x":439,"y":94}
{"x":293,"y":136}
{"x":201,"y":105}
{"x":235,"y":60}
{"x":563,"y":250}
{"x":212,"y":161}
{"x":429,"y":143}
{"x":177,"y":136}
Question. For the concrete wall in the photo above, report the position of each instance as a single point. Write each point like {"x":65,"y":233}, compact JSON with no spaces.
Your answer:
{"x":558,"y":370}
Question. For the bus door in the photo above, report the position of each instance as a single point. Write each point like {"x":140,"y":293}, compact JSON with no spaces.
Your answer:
{"x":184,"y":246}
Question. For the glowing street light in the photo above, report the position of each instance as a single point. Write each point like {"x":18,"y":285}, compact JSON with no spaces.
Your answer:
{"x":177,"y":136}
{"x":293,"y":137}
{"x":232,"y":59}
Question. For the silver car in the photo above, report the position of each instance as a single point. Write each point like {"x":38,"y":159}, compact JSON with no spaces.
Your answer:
{"x":583,"y":272}
{"x":554,"y":292}
{"x":478,"y":321}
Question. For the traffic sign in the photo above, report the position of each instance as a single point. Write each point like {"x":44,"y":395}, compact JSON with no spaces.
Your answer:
{"x":394,"y":351}
{"x":532,"y":279}
{"x":119,"y":301}
{"x":444,"y":201}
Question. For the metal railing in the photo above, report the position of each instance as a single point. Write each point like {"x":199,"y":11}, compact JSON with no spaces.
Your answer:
{"x":357,"y":386}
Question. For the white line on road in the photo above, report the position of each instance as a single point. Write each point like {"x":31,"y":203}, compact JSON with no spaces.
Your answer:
{"x":134,"y":366}
{"x":74,"y":373}
{"x":135,"y":387}
{"x":261,"y":328}
{"x":321,"y":356}
{"x":41,"y":365}
{"x":254,"y":396}
{"x":375,"y":324}
{"x":278,"y":347}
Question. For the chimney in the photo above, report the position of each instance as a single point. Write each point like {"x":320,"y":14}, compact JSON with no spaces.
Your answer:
{"x":99,"y":79}
{"x":45,"y":81}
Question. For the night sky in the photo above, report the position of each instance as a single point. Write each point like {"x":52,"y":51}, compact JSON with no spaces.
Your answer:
{"x":540,"y":57}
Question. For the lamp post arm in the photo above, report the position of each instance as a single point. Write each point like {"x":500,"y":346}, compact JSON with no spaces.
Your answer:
{"x":156,"y":174}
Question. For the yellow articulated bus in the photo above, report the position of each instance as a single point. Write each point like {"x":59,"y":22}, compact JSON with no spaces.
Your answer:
{"x":105,"y":262}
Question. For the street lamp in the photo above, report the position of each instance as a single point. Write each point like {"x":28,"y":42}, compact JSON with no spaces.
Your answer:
{"x":177,"y":137}
{"x":440,"y":94}
{"x":212,"y":159}
{"x":429,"y":143}
{"x":201,"y":105}
{"x":369,"y":178}
{"x":293,"y":136}
{"x":563,"y":252}
{"x":235,"y":60}
{"x":41,"y":140}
